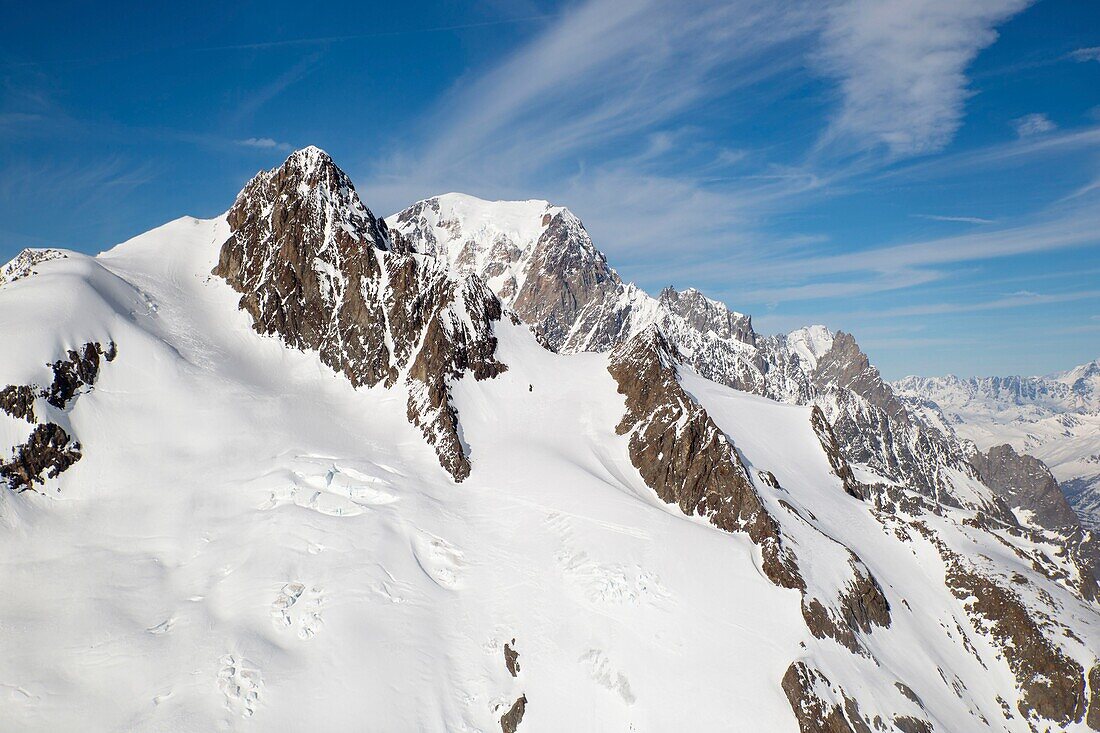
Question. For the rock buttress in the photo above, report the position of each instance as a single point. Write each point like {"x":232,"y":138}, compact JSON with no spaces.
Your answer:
{"x":683,"y":456}
{"x":317,"y":269}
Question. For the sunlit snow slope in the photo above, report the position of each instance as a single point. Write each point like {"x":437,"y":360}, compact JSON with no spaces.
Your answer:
{"x":247,"y":537}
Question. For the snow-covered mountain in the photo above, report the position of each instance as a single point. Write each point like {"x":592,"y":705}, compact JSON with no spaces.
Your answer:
{"x":554,"y":277}
{"x":1055,"y":418}
{"x":295,"y":468}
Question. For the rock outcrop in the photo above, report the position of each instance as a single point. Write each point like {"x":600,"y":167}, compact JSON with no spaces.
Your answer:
{"x":687,"y":460}
{"x":80,"y":369}
{"x":509,"y":722}
{"x":49,"y":449}
{"x":317,"y":269}
{"x":511,"y":658}
{"x":25,"y":263}
{"x":817,"y":705}
{"x":683,"y":456}
{"x":45,"y":454}
{"x":18,"y":401}
{"x":1025,"y":483}
{"x":1051,"y":685}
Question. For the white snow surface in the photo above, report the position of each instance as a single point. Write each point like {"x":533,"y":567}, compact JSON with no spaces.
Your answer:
{"x":249,"y":543}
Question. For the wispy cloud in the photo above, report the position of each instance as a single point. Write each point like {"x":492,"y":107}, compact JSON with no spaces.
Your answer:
{"x":263,"y":143}
{"x":328,"y":40}
{"x":1086,"y":54}
{"x":79,"y":184}
{"x":1093,"y":185}
{"x":606,"y":86}
{"x":791,"y":274}
{"x":901,"y":66}
{"x":1033,"y":124}
{"x":959,"y":219}
{"x":1007,"y":302}
{"x":14,"y":119}
{"x":1014,"y":152}
{"x":604,"y":71}
{"x":1075,"y":227}
{"x":255,"y":99}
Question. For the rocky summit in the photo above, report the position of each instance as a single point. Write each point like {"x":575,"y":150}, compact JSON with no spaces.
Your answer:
{"x":302,"y":467}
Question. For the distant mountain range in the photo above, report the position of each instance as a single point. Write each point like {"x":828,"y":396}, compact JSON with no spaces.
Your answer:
{"x":1054,"y":418}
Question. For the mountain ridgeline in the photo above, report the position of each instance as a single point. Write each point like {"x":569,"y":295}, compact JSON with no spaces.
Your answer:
{"x":920,"y":584}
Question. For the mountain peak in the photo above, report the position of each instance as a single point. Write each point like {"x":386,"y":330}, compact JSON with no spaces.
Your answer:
{"x":310,"y":156}
{"x":309,"y":182}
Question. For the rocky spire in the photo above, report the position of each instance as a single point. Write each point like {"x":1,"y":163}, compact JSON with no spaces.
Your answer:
{"x":315,"y":267}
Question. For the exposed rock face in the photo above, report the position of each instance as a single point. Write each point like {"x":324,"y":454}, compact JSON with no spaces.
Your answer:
{"x":18,"y":401}
{"x":509,"y":722}
{"x":874,"y":427}
{"x":316,"y":268}
{"x":818,"y":707}
{"x":1052,"y":685}
{"x":562,"y":280}
{"x":1093,"y":717}
{"x":49,"y":450}
{"x":46,"y":453}
{"x":1026,"y":483}
{"x":684,"y":457}
{"x":859,"y":608}
{"x":704,"y":314}
{"x":832,"y":451}
{"x":538,"y":258}
{"x":79,"y":369}
{"x":688,"y":461}
{"x":303,"y":254}
{"x":511,"y":659}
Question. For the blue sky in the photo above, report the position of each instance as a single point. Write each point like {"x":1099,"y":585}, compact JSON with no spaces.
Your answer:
{"x":922,"y":173}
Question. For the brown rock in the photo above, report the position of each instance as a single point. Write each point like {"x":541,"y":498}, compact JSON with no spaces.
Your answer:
{"x":1093,"y":718}
{"x":807,"y":692}
{"x":316,"y":268}
{"x":1026,"y":483}
{"x":832,"y":451}
{"x":510,"y":721}
{"x":46,"y":453}
{"x":1052,"y":685}
{"x":49,"y":450}
{"x":18,"y":401}
{"x":683,"y":456}
{"x":688,"y":461}
{"x":511,"y":659}
{"x":81,"y":368}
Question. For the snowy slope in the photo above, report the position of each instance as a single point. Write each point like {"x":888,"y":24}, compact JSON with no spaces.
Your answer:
{"x":223,"y":471}
{"x":250,"y":542}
